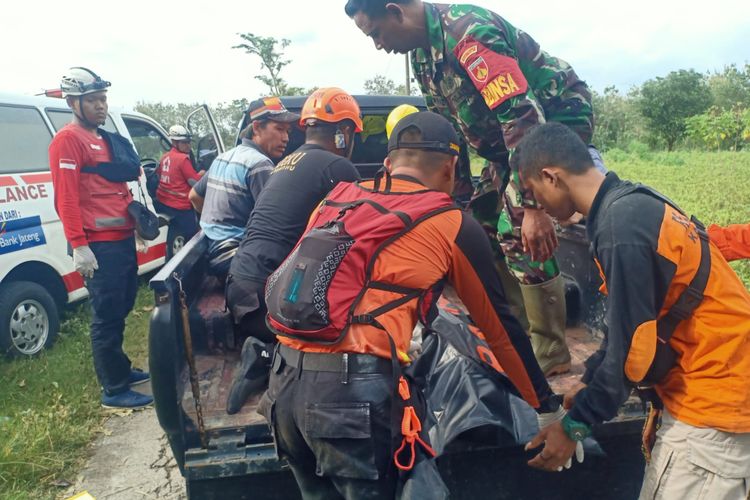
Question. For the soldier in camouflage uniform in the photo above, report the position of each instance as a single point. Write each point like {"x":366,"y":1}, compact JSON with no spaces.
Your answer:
{"x":493,"y":82}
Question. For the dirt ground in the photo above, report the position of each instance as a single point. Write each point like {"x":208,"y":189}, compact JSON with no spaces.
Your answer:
{"x":131,"y":460}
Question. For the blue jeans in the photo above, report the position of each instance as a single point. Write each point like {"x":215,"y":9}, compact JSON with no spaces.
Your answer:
{"x":112,"y":296}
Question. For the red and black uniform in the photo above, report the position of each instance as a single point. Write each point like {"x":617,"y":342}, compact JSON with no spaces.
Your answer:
{"x":176,"y":176}
{"x":93,"y":212}
{"x":334,"y":425}
{"x":90,"y":207}
{"x":648,"y":253}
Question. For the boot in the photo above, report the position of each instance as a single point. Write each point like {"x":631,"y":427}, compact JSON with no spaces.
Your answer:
{"x":545,"y":309}
{"x":513,"y":294}
{"x":251,"y":376}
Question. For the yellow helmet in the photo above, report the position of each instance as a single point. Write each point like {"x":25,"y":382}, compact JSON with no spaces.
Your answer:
{"x":395,"y":116}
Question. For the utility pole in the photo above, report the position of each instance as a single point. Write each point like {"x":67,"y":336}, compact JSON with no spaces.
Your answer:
{"x":408,"y":78}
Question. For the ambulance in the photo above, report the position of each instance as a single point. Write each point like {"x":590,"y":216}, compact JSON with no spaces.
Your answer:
{"x":37,"y":278}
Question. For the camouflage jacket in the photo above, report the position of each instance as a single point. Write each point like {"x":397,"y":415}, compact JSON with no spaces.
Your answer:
{"x":494,"y":82}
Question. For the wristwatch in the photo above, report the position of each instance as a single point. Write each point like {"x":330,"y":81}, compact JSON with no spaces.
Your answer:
{"x":577,"y":431}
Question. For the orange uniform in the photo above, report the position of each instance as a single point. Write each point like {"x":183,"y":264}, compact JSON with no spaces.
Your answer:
{"x":733,"y":241}
{"x":648,"y":253}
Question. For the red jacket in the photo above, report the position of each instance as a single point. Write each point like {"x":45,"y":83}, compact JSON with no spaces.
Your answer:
{"x":90,"y":207}
{"x":175,"y":172}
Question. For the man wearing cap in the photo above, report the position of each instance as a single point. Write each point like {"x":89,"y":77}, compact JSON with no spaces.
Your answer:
{"x":330,"y":403}
{"x":90,"y":168}
{"x":177,"y":175}
{"x":299,"y":182}
{"x":226,"y":194}
{"x":494,"y":82}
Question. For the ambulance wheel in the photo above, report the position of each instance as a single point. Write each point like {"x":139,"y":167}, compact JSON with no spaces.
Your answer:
{"x":29,"y":320}
{"x":175,"y":242}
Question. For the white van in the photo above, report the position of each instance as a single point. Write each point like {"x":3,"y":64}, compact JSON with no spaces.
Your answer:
{"x":37,"y":277}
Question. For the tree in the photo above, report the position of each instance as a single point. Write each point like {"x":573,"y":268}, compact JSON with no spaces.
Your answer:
{"x":720,"y":129}
{"x":666,"y":102}
{"x":617,"y":119}
{"x":380,"y":85}
{"x":731,"y":87}
{"x":270,"y":50}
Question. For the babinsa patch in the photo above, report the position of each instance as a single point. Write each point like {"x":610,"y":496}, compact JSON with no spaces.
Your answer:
{"x":496,"y":77}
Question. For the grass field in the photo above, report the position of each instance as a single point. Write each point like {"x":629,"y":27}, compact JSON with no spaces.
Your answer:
{"x":49,"y":405}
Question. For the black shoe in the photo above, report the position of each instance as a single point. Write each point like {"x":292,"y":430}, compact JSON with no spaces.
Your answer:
{"x":252,"y":374}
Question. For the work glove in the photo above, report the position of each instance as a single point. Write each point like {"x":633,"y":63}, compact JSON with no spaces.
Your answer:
{"x":84,"y":261}
{"x":141,"y":245}
{"x":545,"y":419}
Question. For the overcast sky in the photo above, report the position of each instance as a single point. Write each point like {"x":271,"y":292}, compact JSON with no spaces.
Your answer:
{"x":181,"y":51}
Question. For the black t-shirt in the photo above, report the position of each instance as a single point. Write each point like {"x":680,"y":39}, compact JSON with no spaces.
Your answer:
{"x":296,"y":186}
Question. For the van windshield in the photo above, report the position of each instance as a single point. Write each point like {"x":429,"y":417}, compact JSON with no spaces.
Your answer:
{"x":24,"y":139}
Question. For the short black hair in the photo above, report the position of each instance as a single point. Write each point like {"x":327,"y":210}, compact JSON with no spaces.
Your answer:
{"x":550,"y":144}
{"x":372,"y":8}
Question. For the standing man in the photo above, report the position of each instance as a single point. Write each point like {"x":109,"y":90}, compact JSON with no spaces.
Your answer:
{"x":331,"y":118}
{"x":493,"y":82}
{"x":226,"y":194}
{"x":94,"y":214}
{"x":177,"y":175}
{"x":373,"y":261}
{"x":678,"y":317}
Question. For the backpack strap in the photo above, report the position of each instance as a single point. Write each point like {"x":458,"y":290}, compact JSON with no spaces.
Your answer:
{"x":692,"y":296}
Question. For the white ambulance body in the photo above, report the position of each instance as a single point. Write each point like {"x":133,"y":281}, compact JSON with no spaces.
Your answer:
{"x":37,"y":277}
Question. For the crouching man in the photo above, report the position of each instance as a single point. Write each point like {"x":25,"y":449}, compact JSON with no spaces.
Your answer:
{"x":344,"y":303}
{"x":679,"y":324}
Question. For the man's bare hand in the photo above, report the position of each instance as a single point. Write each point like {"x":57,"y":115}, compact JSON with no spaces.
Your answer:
{"x":538,"y":234}
{"x":574,"y":219}
{"x":558,"y":448}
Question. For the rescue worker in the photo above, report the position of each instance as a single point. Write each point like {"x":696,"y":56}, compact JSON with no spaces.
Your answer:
{"x":177,"y":175}
{"x":331,"y":118}
{"x":493,"y":82}
{"x":227,"y":193}
{"x":89,"y":169}
{"x":399,"y":238}
{"x":678,"y":317}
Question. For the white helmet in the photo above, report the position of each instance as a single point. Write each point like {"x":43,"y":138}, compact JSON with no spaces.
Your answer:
{"x":81,"y":81}
{"x":179,"y":133}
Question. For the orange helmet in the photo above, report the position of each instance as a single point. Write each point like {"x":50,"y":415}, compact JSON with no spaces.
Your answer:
{"x":332,"y":105}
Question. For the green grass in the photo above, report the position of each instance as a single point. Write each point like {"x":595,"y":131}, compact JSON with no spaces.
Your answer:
{"x":49,"y":405}
{"x":712,"y":186}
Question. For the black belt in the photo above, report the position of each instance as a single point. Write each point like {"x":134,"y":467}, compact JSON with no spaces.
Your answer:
{"x":344,"y":363}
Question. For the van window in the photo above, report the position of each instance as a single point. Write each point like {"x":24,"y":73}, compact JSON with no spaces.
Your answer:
{"x":61,"y":117}
{"x":24,"y":139}
{"x":149,"y":142}
{"x":371,"y":145}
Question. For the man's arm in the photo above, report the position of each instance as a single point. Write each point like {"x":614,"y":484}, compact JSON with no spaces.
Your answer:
{"x":188,"y":172}
{"x":733,"y":241}
{"x":66,"y":160}
{"x":198,"y":193}
{"x":477,"y":283}
{"x":637,"y":280}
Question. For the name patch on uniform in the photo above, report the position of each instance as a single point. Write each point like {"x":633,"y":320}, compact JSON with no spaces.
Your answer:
{"x":67,"y":164}
{"x":496,"y":77}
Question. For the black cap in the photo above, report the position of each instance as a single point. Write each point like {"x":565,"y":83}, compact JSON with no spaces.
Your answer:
{"x":270,"y":108}
{"x":437,"y":133}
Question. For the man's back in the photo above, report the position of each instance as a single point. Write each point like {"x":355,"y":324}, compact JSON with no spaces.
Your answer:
{"x":296,"y":186}
{"x":230,"y":188}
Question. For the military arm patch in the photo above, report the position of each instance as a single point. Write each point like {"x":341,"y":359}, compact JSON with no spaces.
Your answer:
{"x":496,"y":77}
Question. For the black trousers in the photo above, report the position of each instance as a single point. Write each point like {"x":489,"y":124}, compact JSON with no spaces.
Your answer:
{"x":334,"y":430}
{"x":246,"y":302}
{"x":112,"y":293}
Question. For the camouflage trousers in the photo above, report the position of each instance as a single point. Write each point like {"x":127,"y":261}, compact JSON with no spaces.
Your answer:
{"x":500,"y":214}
